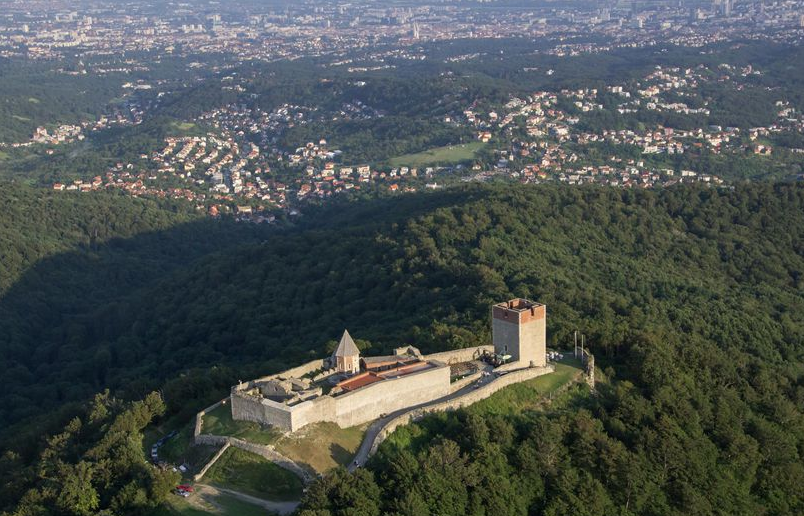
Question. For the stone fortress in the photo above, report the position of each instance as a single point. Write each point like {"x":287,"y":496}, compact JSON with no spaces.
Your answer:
{"x":349,"y":390}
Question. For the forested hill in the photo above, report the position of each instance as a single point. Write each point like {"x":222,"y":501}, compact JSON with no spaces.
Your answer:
{"x":692,"y":299}
{"x":40,"y":223}
{"x":70,"y":258}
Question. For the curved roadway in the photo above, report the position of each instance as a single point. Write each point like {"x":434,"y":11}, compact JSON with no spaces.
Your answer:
{"x":378,"y":425}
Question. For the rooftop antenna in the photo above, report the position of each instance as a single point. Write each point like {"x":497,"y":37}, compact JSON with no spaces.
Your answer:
{"x":583,"y":339}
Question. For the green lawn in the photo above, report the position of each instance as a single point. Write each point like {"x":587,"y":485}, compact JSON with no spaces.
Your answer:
{"x":220,"y":422}
{"x":3,"y":156}
{"x":226,"y":506}
{"x":519,"y":397}
{"x":322,"y":446}
{"x":510,"y":400}
{"x":186,"y":128}
{"x":439,"y":155}
{"x":251,"y":474}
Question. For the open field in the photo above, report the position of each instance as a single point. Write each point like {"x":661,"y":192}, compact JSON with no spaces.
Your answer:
{"x":439,"y":155}
{"x":322,"y":446}
{"x":251,"y":474}
{"x":186,"y":128}
{"x":220,"y":422}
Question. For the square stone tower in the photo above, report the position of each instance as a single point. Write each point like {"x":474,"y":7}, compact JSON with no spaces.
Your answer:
{"x":519,"y":329}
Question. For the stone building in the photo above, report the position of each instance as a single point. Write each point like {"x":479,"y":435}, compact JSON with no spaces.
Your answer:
{"x":519,"y":330}
{"x":346,"y":358}
{"x":347,"y":390}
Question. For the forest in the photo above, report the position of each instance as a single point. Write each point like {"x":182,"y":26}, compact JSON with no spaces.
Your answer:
{"x":691,"y":299}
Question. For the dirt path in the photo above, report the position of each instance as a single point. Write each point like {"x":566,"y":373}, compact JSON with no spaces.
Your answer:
{"x":206,"y":494}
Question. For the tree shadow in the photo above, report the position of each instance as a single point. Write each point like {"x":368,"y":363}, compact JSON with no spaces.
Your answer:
{"x":129,"y":313}
{"x":340,"y":454}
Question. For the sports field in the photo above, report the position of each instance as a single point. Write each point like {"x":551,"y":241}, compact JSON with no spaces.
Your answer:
{"x":439,"y":155}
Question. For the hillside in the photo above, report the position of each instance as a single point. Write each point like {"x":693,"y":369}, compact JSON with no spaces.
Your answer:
{"x":67,"y":259}
{"x":691,"y":299}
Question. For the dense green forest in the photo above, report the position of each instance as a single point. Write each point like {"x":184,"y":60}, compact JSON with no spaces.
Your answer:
{"x":34,"y":94}
{"x":691,"y":298}
{"x":64,"y":257}
{"x":95,"y":464}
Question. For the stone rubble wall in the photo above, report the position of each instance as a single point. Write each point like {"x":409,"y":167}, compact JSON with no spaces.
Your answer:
{"x":460,"y":384}
{"x":212,"y":461}
{"x":268,"y":452}
{"x":467,"y":399}
{"x":588,"y":361}
{"x":211,"y":440}
{"x":199,"y":418}
{"x":296,"y":372}
{"x":459,"y":355}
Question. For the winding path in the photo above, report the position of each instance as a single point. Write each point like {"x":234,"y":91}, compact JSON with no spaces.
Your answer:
{"x":378,"y":425}
{"x":207,"y":493}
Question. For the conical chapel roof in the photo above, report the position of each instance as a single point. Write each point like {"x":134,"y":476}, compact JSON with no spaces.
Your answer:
{"x":346,"y":347}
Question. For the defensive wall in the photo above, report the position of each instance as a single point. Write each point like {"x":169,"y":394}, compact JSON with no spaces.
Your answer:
{"x":463,"y":382}
{"x":348,"y":409}
{"x":588,"y":361}
{"x":211,"y":462}
{"x":467,"y":399}
{"x":460,"y":355}
{"x":266,"y":451}
{"x":296,"y":372}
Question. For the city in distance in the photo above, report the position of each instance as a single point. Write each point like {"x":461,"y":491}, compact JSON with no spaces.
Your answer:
{"x":407,"y":258}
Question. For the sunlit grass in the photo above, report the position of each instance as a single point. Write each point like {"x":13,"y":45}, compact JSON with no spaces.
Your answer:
{"x":251,"y":474}
{"x":439,"y":155}
{"x":220,"y":422}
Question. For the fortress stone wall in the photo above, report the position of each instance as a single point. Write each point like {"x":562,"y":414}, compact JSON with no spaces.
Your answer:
{"x":296,"y":372}
{"x":247,"y":407}
{"x":519,"y":333}
{"x":368,"y":403}
{"x":467,"y":399}
{"x":460,"y":355}
{"x":349,"y":409}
